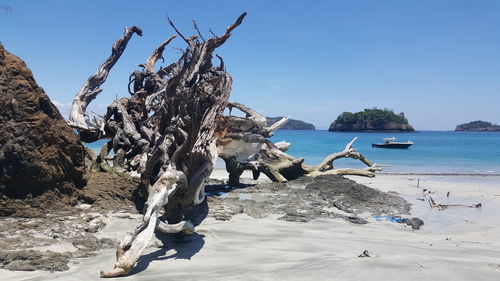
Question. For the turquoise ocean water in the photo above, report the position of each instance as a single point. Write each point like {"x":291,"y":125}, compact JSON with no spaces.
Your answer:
{"x":432,"y":151}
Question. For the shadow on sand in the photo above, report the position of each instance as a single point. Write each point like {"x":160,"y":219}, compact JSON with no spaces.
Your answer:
{"x":185,"y":247}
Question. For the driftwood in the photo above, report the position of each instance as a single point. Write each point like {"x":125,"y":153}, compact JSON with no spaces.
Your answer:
{"x":243,"y":144}
{"x":431,"y":198}
{"x":171,"y":130}
{"x":163,"y":133}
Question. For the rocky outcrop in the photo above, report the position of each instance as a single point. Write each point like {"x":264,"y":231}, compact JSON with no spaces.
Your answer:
{"x":52,"y":241}
{"x":304,"y":199}
{"x":371,"y":120}
{"x":478,"y":126}
{"x":292,"y":124}
{"x":39,"y":152}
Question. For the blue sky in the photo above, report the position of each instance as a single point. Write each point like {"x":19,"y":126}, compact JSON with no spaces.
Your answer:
{"x":436,"y":60}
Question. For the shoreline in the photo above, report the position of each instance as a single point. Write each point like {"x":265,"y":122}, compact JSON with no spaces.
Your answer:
{"x":221,"y":174}
{"x":438,"y":174}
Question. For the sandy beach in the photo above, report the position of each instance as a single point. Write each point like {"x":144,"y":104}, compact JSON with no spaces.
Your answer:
{"x":454,"y":244}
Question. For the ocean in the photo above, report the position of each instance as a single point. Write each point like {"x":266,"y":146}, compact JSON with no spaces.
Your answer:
{"x":432,"y":151}
{"x":435,"y":152}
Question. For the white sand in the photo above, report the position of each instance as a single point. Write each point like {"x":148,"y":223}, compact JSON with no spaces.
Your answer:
{"x":454,"y":244}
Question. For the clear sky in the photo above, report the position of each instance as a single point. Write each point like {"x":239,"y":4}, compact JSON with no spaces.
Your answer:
{"x":436,"y":60}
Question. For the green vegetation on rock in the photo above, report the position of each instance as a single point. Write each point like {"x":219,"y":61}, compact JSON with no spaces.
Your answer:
{"x":478,"y":126}
{"x":370,"y":120}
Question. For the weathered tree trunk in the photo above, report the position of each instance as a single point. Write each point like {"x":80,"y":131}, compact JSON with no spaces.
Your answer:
{"x":164,"y":132}
{"x":243,"y":145}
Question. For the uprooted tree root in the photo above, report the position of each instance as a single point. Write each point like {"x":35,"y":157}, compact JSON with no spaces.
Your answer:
{"x":164,"y":132}
{"x":171,"y":130}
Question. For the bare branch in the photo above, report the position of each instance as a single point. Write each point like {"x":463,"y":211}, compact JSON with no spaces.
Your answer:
{"x":250,"y":113}
{"x":177,"y":31}
{"x":213,"y":34}
{"x":277,"y":125}
{"x":91,"y":87}
{"x":221,"y":66}
{"x":198,"y":30}
{"x":227,"y":34}
{"x":157,"y":54}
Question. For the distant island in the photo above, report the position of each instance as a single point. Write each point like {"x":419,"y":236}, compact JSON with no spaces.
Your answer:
{"x":371,"y":120}
{"x":478,"y":126}
{"x":292,"y":124}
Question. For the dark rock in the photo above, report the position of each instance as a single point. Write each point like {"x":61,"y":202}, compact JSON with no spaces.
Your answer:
{"x":110,"y":192}
{"x":292,"y":124}
{"x":103,"y":191}
{"x":95,"y":226}
{"x":356,"y":220}
{"x":39,"y":152}
{"x":21,"y":235}
{"x":297,"y":217}
{"x":303,"y":200}
{"x":364,"y":254}
{"x":352,"y":197}
{"x":415,"y":223}
{"x":30,"y":260}
{"x":91,"y":243}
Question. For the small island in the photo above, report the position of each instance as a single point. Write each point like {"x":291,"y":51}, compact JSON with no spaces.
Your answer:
{"x":477,"y":126}
{"x":292,"y":124}
{"x":371,"y":120}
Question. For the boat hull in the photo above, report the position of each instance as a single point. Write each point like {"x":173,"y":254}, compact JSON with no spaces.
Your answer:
{"x":401,"y":145}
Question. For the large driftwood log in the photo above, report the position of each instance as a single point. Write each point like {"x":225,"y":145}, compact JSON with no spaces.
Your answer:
{"x":164,"y":132}
{"x":243,"y":144}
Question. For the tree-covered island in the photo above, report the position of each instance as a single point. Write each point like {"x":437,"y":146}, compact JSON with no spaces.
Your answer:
{"x":371,"y":120}
{"x":478,"y":126}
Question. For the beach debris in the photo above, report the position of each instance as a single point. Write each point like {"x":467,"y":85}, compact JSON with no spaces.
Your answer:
{"x":388,"y":218}
{"x":415,"y":223}
{"x":431,"y":198}
{"x":364,"y":254}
